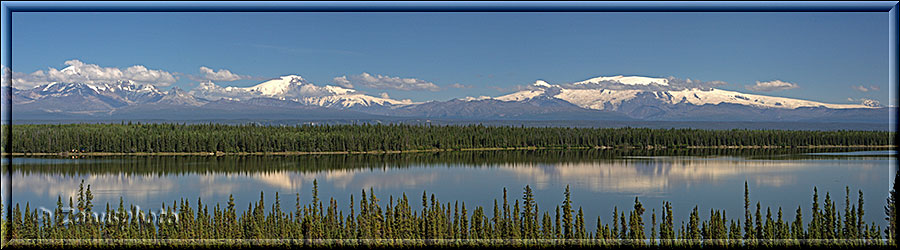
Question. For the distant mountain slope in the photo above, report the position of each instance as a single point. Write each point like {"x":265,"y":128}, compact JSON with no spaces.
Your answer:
{"x":291,"y":97}
{"x":611,"y":99}
{"x":546,"y":108}
{"x":694,"y":104}
{"x":295,"y":88}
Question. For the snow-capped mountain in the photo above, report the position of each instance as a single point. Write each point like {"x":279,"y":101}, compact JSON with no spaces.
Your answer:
{"x":611,"y":99}
{"x":295,"y":88}
{"x":94,"y":97}
{"x":179,"y":97}
{"x":664,"y":99}
{"x":607,"y":98}
{"x":626,"y":80}
{"x":121,"y":91}
{"x":538,"y":108}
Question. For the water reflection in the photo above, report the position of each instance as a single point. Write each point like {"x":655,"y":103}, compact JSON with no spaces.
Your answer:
{"x":634,"y":175}
{"x":599,"y":181}
{"x":658,"y":175}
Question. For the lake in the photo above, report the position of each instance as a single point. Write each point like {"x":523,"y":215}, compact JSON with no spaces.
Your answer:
{"x":599,"y":179}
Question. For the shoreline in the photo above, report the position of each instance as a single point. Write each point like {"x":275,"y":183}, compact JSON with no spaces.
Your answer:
{"x":420,"y":150}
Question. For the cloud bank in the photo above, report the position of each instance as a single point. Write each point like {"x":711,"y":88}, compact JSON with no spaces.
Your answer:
{"x":459,"y":86}
{"x":862,"y":88}
{"x":776,"y":85}
{"x":385,"y":82}
{"x":78,"y":71}
{"x":223,"y":75}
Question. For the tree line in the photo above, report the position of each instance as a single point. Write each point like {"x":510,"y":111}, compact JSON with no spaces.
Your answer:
{"x":150,"y":138}
{"x":317,"y":163}
{"x":372,"y":221}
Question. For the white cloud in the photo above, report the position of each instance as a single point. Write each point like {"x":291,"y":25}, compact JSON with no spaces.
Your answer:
{"x":27,"y":81}
{"x":343,"y":82}
{"x":211,"y":91}
{"x":385,"y":82}
{"x":862,"y":88}
{"x":223,"y":75}
{"x":6,"y":73}
{"x":776,"y":85}
{"x":78,"y":71}
{"x":459,"y":86}
{"x":385,"y":95}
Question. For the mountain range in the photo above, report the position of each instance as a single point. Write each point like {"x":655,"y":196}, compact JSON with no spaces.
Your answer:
{"x":605,"y":98}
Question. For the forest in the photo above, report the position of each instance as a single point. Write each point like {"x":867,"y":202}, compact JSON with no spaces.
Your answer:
{"x":168,"y":137}
{"x":370,"y":221}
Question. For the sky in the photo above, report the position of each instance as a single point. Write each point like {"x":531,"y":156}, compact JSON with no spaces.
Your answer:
{"x":828,"y":57}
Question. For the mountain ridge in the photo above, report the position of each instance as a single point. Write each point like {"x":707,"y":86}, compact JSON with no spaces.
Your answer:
{"x":615,"y":98}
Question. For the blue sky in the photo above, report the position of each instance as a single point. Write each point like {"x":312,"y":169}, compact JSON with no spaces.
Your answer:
{"x":826,"y":56}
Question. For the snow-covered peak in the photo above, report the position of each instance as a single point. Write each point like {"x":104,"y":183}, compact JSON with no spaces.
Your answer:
{"x":120,"y":92}
{"x":870,"y":103}
{"x":295,"y":88}
{"x":611,"y":99}
{"x":71,"y":70}
{"x":123,"y":86}
{"x":46,"y":87}
{"x":278,"y":86}
{"x":542,"y":84}
{"x":177,"y":96}
{"x":521,"y":95}
{"x":352,"y":100}
{"x":627,"y":80}
{"x":539,"y":87}
{"x":128,"y":85}
{"x":717,"y":96}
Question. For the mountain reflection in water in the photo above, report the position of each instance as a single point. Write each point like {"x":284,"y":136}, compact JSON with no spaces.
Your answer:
{"x":599,"y":181}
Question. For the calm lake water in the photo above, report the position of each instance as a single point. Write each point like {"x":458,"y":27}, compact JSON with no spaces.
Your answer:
{"x":599,"y":179}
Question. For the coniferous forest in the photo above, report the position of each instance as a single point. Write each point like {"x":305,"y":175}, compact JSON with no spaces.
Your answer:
{"x":513,"y":220}
{"x":152,"y":138}
{"x":369,"y":220}
{"x":441,"y":124}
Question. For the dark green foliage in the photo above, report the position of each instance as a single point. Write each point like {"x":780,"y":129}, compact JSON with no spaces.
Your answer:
{"x":890,"y":211}
{"x":393,"y":223}
{"x":151,"y":138}
{"x":636,"y":222}
{"x":567,"y":215}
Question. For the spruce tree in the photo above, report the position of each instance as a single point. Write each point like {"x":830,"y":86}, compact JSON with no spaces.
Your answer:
{"x":527,"y":214}
{"x":567,"y":215}
{"x":860,"y":212}
{"x":653,"y":234}
{"x":636,"y":232}
{"x":890,"y":211}
{"x":749,"y":235}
